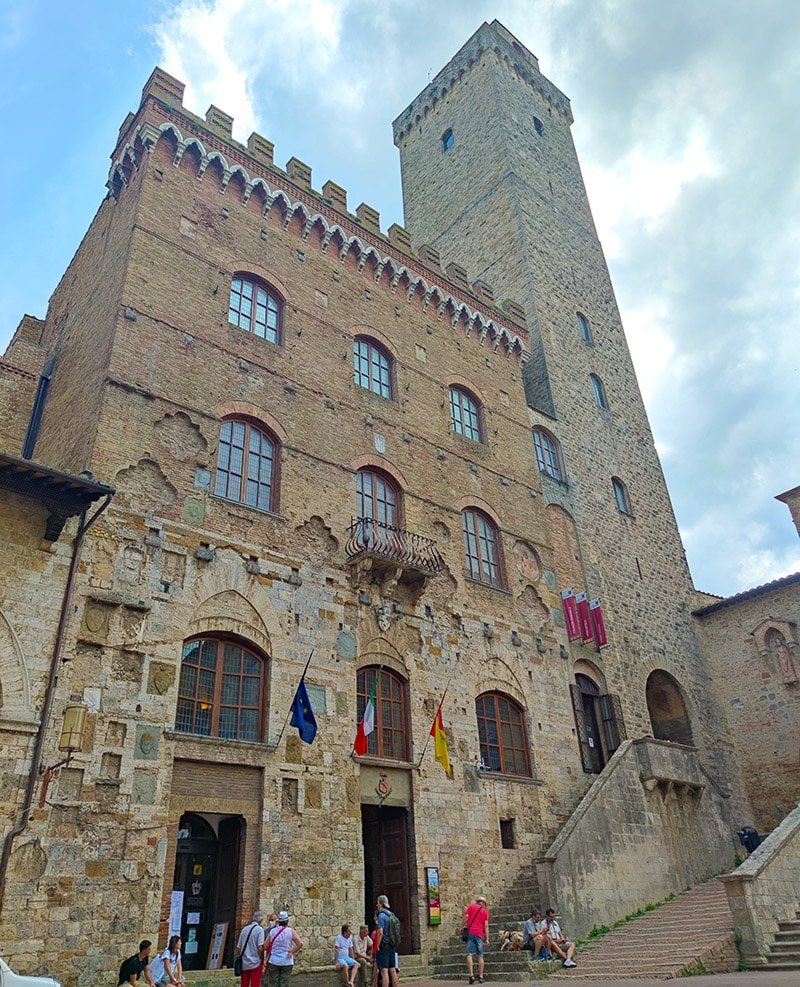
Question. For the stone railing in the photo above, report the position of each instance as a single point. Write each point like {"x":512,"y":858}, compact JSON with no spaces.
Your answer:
{"x":765,"y":889}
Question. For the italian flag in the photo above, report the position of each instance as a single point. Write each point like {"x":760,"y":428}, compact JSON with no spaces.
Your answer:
{"x":367,"y":724}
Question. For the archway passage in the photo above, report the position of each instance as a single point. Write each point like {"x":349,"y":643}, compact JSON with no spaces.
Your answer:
{"x":668,"y":716}
{"x":206,"y":873}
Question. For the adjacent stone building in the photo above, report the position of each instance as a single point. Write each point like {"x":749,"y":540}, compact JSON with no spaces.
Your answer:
{"x":754,"y":652}
{"x":418,"y":458}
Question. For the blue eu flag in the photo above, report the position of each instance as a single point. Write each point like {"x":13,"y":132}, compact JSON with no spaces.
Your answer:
{"x":303,"y":714}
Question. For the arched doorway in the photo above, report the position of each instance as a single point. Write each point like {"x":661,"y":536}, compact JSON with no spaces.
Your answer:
{"x":599,"y":723}
{"x":667,"y":709}
{"x":206,"y":874}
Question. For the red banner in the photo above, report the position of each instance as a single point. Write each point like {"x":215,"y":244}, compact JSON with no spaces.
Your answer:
{"x":599,"y":625}
{"x":584,"y":618}
{"x":570,"y":613}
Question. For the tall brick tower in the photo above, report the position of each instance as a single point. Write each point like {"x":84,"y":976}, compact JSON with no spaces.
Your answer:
{"x":491,"y":177}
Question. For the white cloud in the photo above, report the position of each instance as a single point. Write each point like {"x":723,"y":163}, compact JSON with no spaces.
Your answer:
{"x":239,"y":54}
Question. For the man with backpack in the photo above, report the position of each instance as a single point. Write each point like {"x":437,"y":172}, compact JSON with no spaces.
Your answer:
{"x":387,"y":942}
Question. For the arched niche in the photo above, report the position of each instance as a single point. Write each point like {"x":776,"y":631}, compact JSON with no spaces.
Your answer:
{"x":667,"y":709}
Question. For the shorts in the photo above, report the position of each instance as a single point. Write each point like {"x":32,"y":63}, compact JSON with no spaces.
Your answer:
{"x":474,"y":944}
{"x":346,"y":961}
{"x":385,"y":959}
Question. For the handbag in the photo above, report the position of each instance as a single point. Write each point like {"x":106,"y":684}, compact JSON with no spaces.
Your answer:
{"x":238,"y":969}
{"x":465,"y":931}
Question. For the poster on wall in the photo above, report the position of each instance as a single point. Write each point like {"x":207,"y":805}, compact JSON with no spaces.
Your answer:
{"x":217,"y":945}
{"x":434,"y":904}
{"x":175,"y":913}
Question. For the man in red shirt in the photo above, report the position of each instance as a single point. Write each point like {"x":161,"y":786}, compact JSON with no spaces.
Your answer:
{"x":476,"y":925}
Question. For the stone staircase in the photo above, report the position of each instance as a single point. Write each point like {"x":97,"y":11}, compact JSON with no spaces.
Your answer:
{"x":784,"y":953}
{"x":509,"y":913}
{"x":691,"y":934}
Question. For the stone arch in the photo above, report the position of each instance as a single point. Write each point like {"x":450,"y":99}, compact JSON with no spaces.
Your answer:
{"x":379,"y":651}
{"x":497,"y":676}
{"x":667,"y":708}
{"x":228,"y":599}
{"x":566,"y":547}
{"x":15,"y":689}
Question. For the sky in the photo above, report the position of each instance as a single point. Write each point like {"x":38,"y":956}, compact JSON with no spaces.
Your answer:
{"x":687,"y":129}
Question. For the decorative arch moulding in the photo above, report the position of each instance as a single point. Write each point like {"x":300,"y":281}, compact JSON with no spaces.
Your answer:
{"x":343,"y":232}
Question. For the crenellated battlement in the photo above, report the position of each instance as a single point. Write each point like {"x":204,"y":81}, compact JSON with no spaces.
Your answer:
{"x":488,"y":38}
{"x":388,"y":258}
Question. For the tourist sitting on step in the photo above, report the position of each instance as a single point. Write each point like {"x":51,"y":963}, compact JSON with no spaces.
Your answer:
{"x":343,"y":957}
{"x":556,"y":941}
{"x":533,"y":935}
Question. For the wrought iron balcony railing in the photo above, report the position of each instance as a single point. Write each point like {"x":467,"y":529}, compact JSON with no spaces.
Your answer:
{"x":370,"y":537}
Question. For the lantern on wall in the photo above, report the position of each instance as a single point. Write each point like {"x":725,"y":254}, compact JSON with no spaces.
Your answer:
{"x":73,"y":727}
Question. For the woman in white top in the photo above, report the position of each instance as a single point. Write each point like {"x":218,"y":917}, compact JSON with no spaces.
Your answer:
{"x":281,"y":947}
{"x":167,"y":968}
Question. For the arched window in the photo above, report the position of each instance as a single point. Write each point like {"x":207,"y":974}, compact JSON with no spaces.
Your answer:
{"x":373,"y":366}
{"x":598,"y":391}
{"x":390,"y":737}
{"x":583,"y":327}
{"x":482,"y":548}
{"x":247,"y":465}
{"x":377,"y":510}
{"x":502,"y":736}
{"x":222,"y":690}
{"x":465,"y":415}
{"x":621,"y":495}
{"x":447,"y":139}
{"x":256,"y":307}
{"x":547,"y":454}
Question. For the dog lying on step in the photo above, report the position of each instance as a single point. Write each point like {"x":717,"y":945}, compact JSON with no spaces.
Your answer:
{"x":511,"y":940}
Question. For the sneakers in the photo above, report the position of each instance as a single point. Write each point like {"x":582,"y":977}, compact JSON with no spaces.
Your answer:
{"x":472,"y":980}
{"x":569,"y":963}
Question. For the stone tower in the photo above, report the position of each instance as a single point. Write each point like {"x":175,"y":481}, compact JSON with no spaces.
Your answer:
{"x":490,"y":175}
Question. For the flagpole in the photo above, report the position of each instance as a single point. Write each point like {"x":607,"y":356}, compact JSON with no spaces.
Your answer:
{"x":288,"y":715}
{"x":438,"y":710}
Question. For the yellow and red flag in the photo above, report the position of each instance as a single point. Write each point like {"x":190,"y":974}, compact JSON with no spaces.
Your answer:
{"x":441,"y":753}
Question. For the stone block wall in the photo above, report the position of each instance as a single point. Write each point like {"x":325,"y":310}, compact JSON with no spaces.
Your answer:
{"x":765,"y":889}
{"x":759,"y":689}
{"x":653,"y":824}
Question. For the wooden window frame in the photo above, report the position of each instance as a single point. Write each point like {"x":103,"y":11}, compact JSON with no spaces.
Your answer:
{"x":226,"y":475}
{"x":466,"y":414}
{"x":483,"y":548}
{"x":373,"y":367}
{"x":205,"y":704}
{"x":495,"y":735}
{"x":243,"y":308}
{"x":548,"y":455}
{"x":390,"y":738}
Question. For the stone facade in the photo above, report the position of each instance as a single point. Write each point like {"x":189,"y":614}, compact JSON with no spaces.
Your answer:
{"x":148,"y":361}
{"x":754,"y":652}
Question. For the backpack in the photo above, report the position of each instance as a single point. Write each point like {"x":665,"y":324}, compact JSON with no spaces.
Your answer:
{"x":393,"y":935}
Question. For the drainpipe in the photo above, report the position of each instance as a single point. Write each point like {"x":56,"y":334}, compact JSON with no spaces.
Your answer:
{"x":49,"y":695}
